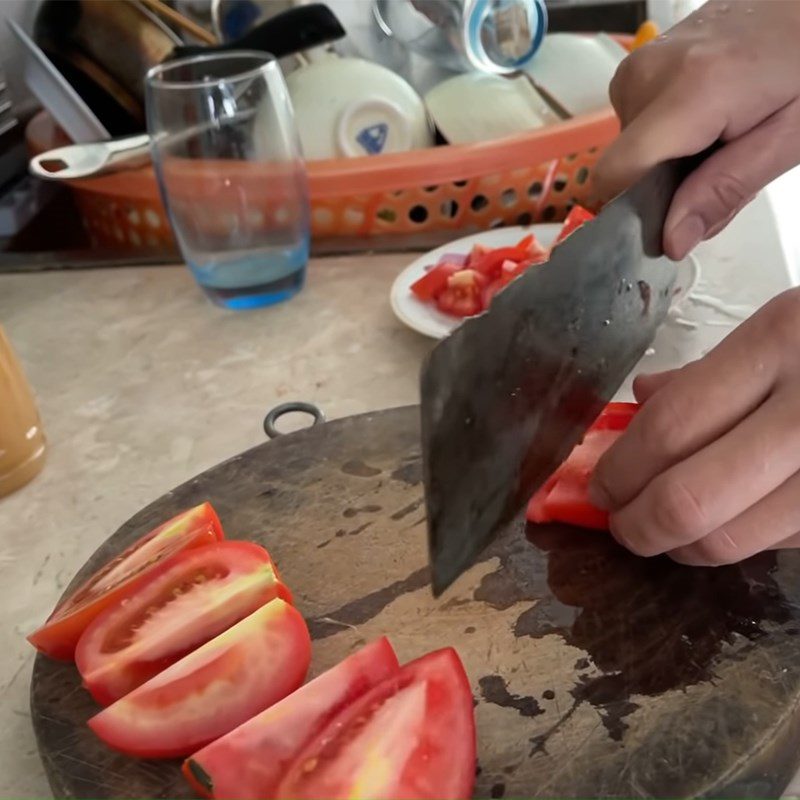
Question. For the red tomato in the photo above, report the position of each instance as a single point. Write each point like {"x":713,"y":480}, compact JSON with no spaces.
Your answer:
{"x":434,"y":281}
{"x":490,"y":291}
{"x":491,"y":263}
{"x":249,"y":762}
{"x":59,"y":635}
{"x":576,"y":217}
{"x":182,"y":604}
{"x":214,"y":689}
{"x":564,"y":497}
{"x":412,"y":736}
{"x":462,"y":297}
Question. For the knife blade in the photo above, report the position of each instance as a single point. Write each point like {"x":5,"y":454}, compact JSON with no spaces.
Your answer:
{"x":506,"y":397}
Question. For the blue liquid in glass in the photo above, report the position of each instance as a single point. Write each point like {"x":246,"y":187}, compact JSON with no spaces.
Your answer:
{"x":252,"y":279}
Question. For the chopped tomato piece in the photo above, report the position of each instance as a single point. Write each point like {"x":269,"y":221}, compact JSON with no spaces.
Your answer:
{"x":462,"y":297}
{"x":576,"y":217}
{"x":59,"y":635}
{"x":248,"y":763}
{"x":491,"y":262}
{"x":478,"y":251}
{"x":565,"y":496}
{"x":214,"y":689}
{"x":187,"y":601}
{"x":434,"y":281}
{"x":490,"y":291}
{"x":412,"y":736}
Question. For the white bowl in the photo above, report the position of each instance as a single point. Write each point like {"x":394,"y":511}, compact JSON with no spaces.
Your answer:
{"x":576,"y":69}
{"x":476,"y":107}
{"x":348,"y":107}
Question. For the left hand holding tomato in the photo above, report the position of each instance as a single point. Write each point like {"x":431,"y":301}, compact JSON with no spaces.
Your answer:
{"x":709,"y":469}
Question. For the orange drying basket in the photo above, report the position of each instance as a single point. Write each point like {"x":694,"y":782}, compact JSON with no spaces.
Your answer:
{"x":403,"y":200}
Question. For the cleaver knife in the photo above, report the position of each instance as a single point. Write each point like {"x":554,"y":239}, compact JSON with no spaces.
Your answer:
{"x":506,"y":397}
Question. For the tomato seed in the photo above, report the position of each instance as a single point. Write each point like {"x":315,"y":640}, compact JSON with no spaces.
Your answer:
{"x":310,"y":765}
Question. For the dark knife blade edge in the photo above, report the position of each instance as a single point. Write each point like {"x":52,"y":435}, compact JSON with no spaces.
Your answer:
{"x":535,"y":413}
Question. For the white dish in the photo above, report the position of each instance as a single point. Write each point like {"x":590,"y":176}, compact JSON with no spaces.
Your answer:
{"x":54,"y":92}
{"x":426,"y":319}
{"x":475,"y":107}
{"x":576,"y":69}
{"x":349,"y":107}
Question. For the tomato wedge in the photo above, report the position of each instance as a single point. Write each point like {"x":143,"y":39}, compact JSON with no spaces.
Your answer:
{"x":248,"y":763}
{"x":434,"y":281}
{"x":565,"y":495}
{"x":59,"y":635}
{"x":575,"y":218}
{"x":187,"y":601}
{"x":214,"y":689}
{"x":412,"y":736}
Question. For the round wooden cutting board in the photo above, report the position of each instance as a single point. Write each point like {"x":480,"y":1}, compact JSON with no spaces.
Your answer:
{"x":595,"y":673}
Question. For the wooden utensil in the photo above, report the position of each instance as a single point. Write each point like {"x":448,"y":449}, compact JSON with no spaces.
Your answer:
{"x":595,"y":673}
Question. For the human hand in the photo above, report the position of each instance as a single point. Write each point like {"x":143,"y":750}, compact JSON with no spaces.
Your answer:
{"x":708,"y":471}
{"x":730,"y":72}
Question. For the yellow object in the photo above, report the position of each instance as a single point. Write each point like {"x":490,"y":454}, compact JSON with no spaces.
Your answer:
{"x":22,"y":443}
{"x":648,"y":31}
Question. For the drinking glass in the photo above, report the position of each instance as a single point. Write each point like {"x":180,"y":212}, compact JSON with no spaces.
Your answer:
{"x":231,"y":174}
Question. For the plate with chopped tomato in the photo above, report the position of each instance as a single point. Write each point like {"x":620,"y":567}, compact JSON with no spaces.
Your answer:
{"x":435,"y":293}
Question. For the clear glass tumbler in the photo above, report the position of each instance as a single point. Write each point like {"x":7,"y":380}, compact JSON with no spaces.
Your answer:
{"x":231,"y":174}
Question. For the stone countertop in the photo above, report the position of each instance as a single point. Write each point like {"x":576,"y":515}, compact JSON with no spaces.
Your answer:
{"x":142,"y":384}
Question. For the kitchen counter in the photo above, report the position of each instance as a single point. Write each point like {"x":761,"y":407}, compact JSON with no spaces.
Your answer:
{"x":142,"y":384}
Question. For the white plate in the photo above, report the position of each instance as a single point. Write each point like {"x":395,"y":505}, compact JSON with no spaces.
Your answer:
{"x":429,"y":321}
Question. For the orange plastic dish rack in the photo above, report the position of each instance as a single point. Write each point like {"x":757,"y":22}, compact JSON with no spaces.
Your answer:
{"x":395,"y":200}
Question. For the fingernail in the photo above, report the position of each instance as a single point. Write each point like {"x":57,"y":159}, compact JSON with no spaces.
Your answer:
{"x":598,"y":497}
{"x":686,"y":235}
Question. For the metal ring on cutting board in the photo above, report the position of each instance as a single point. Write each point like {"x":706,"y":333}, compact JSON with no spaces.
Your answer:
{"x":290,"y":408}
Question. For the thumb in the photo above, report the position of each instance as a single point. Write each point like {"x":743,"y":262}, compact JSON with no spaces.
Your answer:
{"x":722,"y":185}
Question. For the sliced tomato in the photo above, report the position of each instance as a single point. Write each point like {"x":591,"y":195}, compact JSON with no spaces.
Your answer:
{"x":565,"y":495}
{"x":576,"y":217}
{"x":434,"y":281}
{"x":490,"y":263}
{"x":59,"y":635}
{"x":187,"y":601}
{"x":462,"y":297}
{"x":478,"y":251}
{"x":412,"y":736}
{"x":249,"y":762}
{"x":490,"y":291}
{"x":214,"y":689}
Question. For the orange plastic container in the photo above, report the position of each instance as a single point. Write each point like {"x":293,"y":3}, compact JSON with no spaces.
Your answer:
{"x":398,"y":199}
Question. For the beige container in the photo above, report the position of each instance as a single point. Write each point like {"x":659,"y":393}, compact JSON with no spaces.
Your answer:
{"x":22,"y":442}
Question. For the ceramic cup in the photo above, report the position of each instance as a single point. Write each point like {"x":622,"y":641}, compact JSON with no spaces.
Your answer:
{"x":576,"y":69}
{"x":476,"y":107}
{"x":348,"y":107}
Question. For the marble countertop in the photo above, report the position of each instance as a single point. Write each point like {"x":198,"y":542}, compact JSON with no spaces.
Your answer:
{"x":142,"y":384}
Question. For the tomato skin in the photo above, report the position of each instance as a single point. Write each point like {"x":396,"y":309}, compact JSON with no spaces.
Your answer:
{"x":249,"y":762}
{"x":577,"y":216}
{"x":412,"y":736}
{"x":434,"y":281}
{"x":565,"y":495}
{"x":59,"y":636}
{"x":214,"y":689}
{"x":175,"y":610}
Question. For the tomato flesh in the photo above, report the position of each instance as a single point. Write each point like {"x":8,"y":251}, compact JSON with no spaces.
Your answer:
{"x":184,"y":603}
{"x":565,"y":495}
{"x":576,"y":217}
{"x":214,"y":689}
{"x":412,"y":736}
{"x":248,"y":763}
{"x":434,"y":281}
{"x":59,"y":636}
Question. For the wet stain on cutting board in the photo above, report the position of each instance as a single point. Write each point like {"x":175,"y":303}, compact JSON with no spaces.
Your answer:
{"x":595,"y":673}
